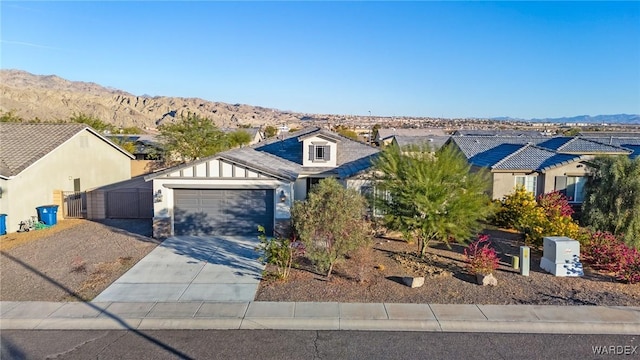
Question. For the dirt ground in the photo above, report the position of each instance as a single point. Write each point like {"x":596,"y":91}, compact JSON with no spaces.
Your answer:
{"x":72,"y":261}
{"x":376,"y":276}
{"x":77,"y":259}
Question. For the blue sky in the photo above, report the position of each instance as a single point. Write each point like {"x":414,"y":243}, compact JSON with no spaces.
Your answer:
{"x":439,"y":59}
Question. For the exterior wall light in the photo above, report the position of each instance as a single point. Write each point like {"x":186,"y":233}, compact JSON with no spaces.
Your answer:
{"x":157,"y":197}
{"x":283,"y":196}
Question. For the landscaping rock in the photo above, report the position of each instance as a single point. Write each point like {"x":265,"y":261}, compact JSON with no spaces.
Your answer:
{"x":487,"y":280}
{"x":413,"y":282}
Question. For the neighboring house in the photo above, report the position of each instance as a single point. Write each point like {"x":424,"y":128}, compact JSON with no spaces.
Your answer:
{"x":147,"y":147}
{"x":435,"y":142}
{"x":148,"y":152}
{"x":629,"y":140}
{"x":256,"y":134}
{"x":232,"y":192}
{"x":385,"y":136}
{"x":540,"y":164}
{"x":501,"y":132}
{"x":38,"y":159}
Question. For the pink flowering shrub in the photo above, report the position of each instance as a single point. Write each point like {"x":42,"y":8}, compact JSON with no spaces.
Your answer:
{"x":607,"y":252}
{"x":555,"y":204}
{"x":481,"y":257}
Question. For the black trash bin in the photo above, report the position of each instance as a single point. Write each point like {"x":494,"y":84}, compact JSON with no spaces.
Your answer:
{"x":48,"y":214}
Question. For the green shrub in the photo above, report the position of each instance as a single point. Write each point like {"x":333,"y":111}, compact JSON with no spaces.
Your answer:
{"x":549,"y":215}
{"x":330,"y":223}
{"x":278,"y":251}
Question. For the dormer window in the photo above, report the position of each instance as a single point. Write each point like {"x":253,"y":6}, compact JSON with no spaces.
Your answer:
{"x":319,"y":152}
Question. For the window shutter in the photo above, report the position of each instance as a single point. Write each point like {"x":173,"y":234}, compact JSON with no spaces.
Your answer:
{"x":561,"y":185}
{"x":327,"y":152}
{"x":311,"y":149}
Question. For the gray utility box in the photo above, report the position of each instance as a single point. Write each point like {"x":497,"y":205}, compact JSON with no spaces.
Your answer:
{"x":561,"y":256}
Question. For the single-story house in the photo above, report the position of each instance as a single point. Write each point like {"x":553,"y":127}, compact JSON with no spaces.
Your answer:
{"x":385,"y":136}
{"x":232,"y":192}
{"x":38,"y":159}
{"x":256,"y":134}
{"x":147,"y":150}
{"x":540,"y":164}
{"x":435,"y":142}
{"x":500,"y":132}
{"x":630,"y":140}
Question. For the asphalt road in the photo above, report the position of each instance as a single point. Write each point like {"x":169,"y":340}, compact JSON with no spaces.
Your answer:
{"x":272,"y":344}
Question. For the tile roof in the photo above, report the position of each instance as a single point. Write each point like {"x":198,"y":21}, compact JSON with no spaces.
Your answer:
{"x":435,"y":142}
{"x":473,"y":145}
{"x":389,"y":133}
{"x":282,"y":156}
{"x":352,"y":155}
{"x":488,"y":132}
{"x":580,"y":145}
{"x":531,"y":157}
{"x":635,"y":148}
{"x":608,"y":134}
{"x":23,"y":144}
{"x":511,"y":153}
{"x":263,"y":161}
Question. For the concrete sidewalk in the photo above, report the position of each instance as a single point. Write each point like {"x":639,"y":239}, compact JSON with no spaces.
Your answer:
{"x":320,"y":316}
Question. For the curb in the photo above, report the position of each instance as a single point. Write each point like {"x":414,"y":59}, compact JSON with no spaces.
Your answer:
{"x":547,"y":319}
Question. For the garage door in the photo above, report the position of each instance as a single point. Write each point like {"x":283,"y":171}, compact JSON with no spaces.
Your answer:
{"x":222,"y":212}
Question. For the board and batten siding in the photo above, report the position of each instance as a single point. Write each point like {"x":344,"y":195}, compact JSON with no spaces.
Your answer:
{"x":219,"y":174}
{"x":216,"y":168}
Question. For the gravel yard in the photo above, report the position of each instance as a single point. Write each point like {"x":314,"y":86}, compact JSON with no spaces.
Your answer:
{"x":72,"y":261}
{"x":77,"y":259}
{"x":376,"y":276}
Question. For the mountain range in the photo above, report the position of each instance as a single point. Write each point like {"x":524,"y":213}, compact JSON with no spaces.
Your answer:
{"x":50,"y":98}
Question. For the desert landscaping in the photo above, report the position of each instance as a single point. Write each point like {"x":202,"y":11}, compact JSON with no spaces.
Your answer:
{"x":77,"y":259}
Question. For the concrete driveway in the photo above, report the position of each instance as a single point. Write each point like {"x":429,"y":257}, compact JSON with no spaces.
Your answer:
{"x":191,"y":268}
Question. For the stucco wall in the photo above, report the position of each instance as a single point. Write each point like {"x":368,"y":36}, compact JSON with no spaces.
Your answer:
{"x":504,"y":183}
{"x":84,"y":156}
{"x":573,"y":169}
{"x":315,"y":140}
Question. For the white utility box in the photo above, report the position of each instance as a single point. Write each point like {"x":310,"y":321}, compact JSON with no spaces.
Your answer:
{"x":561,"y":256}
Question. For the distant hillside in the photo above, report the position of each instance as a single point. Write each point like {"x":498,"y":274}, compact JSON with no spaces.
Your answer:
{"x":52,"y":98}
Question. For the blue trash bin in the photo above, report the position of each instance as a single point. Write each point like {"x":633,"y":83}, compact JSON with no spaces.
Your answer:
{"x":48,"y":214}
{"x":3,"y":224}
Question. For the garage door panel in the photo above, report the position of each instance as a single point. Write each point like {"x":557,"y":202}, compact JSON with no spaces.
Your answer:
{"x":222,"y":212}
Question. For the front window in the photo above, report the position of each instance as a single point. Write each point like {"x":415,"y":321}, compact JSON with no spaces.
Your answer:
{"x":529,"y":182}
{"x":575,"y":188}
{"x":319,"y":153}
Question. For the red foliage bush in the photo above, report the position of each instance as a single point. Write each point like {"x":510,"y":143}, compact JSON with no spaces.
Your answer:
{"x":481,"y":256}
{"x":605,"y":251}
{"x":555,"y":204}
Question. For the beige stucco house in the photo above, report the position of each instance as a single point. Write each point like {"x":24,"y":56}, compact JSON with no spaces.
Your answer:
{"x":236,"y":190}
{"x":540,"y":164}
{"x":38,"y":159}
